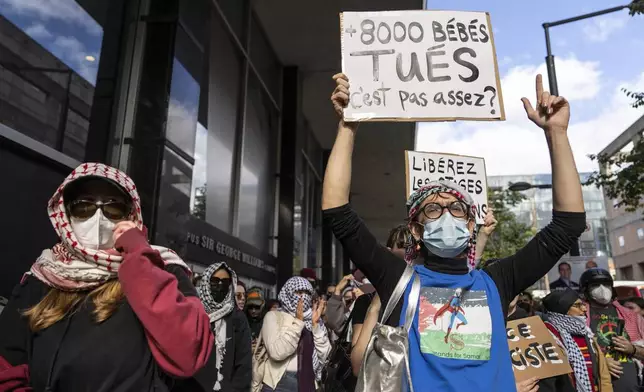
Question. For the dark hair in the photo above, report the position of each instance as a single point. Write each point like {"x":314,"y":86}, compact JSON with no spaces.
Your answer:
{"x":636,"y":300}
{"x":563,"y":263}
{"x":527,"y":294}
{"x":270,"y":303}
{"x":240,"y":283}
{"x":398,"y":237}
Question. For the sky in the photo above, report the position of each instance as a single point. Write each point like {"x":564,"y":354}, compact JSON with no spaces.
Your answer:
{"x":595,"y":58}
{"x":63,"y":27}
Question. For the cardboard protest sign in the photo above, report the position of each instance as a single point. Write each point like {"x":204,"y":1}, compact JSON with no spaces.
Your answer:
{"x":469,"y":172}
{"x":533,"y":350}
{"x":420,"y":66}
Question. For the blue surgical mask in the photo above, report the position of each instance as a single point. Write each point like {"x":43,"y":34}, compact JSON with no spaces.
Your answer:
{"x":446,"y":236}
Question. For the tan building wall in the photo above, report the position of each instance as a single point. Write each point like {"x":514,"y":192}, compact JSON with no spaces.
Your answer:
{"x":625,"y":229}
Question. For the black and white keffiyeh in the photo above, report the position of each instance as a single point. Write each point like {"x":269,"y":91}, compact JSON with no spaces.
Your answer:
{"x":217,"y":311}
{"x":289,"y":301}
{"x":568,"y":326}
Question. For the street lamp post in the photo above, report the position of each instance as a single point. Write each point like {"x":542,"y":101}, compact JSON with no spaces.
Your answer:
{"x":550,"y":59}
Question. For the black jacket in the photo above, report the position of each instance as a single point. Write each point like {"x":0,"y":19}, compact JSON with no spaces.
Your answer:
{"x":237,"y":365}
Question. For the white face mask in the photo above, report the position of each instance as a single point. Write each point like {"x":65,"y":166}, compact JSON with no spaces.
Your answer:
{"x":95,"y":232}
{"x":602,"y":294}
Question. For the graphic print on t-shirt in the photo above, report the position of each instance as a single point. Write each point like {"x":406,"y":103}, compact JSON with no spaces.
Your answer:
{"x":606,"y":327}
{"x":454,"y":323}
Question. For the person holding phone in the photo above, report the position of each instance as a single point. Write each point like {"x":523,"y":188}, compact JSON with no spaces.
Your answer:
{"x":296,"y":340}
{"x":616,"y":328}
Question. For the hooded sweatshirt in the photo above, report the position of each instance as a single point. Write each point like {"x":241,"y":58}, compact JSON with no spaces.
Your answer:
{"x":158,"y":332}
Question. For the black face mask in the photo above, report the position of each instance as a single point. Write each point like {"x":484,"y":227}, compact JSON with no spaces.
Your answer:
{"x":219,"y":289}
{"x":525,"y":306}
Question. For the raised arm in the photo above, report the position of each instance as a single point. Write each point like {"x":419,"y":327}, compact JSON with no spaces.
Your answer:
{"x":379,"y":265}
{"x":337,"y":178}
{"x":516,"y":273}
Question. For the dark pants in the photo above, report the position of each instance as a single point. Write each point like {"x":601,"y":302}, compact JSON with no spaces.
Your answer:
{"x":288,"y":383}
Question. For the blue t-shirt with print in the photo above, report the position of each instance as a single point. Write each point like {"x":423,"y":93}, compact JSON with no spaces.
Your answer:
{"x":457,"y":341}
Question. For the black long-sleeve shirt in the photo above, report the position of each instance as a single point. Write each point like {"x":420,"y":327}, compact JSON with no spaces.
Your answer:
{"x":511,"y":275}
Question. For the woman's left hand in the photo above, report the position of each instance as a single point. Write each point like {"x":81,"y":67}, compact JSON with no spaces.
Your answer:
{"x":489,"y":224}
{"x":317,"y":311}
{"x":121,"y":228}
{"x":623,"y":346}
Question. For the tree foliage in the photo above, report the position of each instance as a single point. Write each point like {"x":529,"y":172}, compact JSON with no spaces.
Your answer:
{"x":510,"y":234}
{"x":625,"y":184}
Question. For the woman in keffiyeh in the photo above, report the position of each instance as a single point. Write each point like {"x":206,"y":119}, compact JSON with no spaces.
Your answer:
{"x":102,"y":310}
{"x":295,"y":339}
{"x":230,"y":365}
{"x":566,"y":320}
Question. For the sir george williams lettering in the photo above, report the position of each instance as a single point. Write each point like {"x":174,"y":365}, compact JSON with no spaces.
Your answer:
{"x":220,"y":248}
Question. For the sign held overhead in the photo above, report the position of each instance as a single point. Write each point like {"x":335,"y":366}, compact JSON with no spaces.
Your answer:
{"x":468,"y":172}
{"x":420,"y":66}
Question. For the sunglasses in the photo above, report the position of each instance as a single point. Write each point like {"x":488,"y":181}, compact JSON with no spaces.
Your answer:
{"x":214,"y":281}
{"x":85,"y":209}
{"x":240,"y":296}
{"x":254,"y":307}
{"x":578,"y":305}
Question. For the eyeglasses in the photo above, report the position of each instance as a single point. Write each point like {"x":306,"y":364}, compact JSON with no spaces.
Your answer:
{"x":254,"y":307}
{"x":240,"y":296}
{"x":578,"y":305}
{"x":433,"y":211}
{"x":85,"y":209}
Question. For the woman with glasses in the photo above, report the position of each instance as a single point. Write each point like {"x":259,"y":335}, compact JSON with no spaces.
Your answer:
{"x":566,"y":319}
{"x":441,"y":218}
{"x":230,"y":365}
{"x":102,"y":310}
{"x":296,"y":340}
{"x":240,"y":295}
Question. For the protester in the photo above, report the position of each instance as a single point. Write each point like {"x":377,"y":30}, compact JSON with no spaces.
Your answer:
{"x":526,"y":302}
{"x":240,"y":295}
{"x":564,"y":281}
{"x":337,"y":310}
{"x":102,"y":310}
{"x":397,"y":240}
{"x":636,"y":304}
{"x":230,"y":365}
{"x":272,"y":304}
{"x":329,"y":291}
{"x":296,"y":342}
{"x":566,"y":320}
{"x":310,"y":275}
{"x":515,"y":312}
{"x":254,"y":311}
{"x":606,"y":317}
{"x":443,"y":241}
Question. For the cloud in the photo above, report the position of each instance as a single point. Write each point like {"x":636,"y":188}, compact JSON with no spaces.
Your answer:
{"x":73,"y":53}
{"x":516,"y":146}
{"x":598,"y":30}
{"x":67,"y":11}
{"x":38,"y":31}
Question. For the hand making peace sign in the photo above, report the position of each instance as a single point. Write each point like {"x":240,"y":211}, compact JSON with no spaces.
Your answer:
{"x":552,"y":113}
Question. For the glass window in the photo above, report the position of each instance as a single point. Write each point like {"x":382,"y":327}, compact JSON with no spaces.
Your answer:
{"x":216,"y":129}
{"x":49,"y":58}
{"x":640,"y":233}
{"x":265,"y":61}
{"x":185,"y":88}
{"x":621,"y":240}
{"x":235,"y":12}
{"x":257,"y":180}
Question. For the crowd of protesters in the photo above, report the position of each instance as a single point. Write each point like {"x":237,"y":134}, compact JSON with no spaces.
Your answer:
{"x":104,"y":310}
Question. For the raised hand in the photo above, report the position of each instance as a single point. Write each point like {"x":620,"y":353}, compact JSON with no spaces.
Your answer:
{"x":317,"y":311}
{"x":299,"y":313}
{"x":343,"y":283}
{"x":121,"y":228}
{"x":552,"y":113}
{"x":340,"y":96}
{"x":489,"y":223}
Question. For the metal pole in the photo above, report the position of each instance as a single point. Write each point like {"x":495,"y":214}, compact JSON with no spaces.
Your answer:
{"x":550,"y":63}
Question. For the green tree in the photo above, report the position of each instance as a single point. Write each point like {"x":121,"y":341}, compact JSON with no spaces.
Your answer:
{"x":624,"y":181}
{"x":199,"y":208}
{"x":510,"y":235}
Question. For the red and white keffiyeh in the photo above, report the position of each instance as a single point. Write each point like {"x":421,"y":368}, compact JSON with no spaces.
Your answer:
{"x":69,"y":265}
